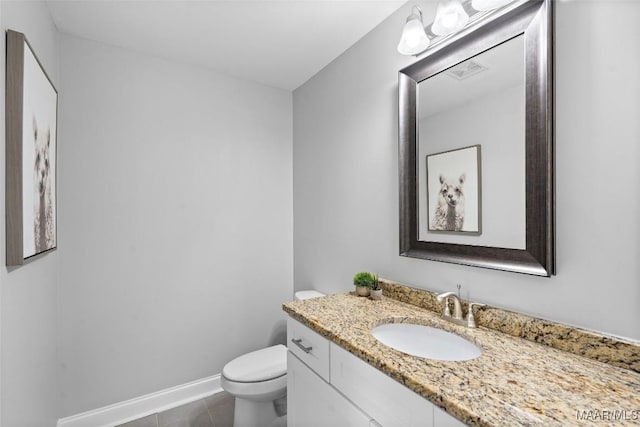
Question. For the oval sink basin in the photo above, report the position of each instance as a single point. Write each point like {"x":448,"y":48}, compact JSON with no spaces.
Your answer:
{"x":425,"y":341}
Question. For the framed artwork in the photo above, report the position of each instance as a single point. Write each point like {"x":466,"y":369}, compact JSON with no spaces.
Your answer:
{"x":31,"y":137}
{"x":454,"y":202}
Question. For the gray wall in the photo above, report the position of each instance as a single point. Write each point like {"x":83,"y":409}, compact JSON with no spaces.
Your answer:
{"x":28,"y":293}
{"x":346,"y":175}
{"x":175,"y":207}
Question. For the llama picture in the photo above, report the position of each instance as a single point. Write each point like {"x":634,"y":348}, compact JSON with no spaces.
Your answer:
{"x":43,"y":219}
{"x":31,"y":129}
{"x":449,"y":215}
{"x":453,"y":190}
{"x":39,"y":123}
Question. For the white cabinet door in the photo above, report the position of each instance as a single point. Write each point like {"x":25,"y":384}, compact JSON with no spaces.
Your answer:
{"x":388,"y":402}
{"x":312,"y":402}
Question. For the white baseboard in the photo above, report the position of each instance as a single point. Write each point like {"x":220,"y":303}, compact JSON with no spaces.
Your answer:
{"x":142,"y":406}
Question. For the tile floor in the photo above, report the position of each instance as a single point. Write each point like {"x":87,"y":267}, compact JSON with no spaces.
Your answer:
{"x":213,"y":411}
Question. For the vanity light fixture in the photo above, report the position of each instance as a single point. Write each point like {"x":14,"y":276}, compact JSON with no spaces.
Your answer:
{"x":450,"y":18}
{"x":414,"y":39}
{"x":488,"y":4}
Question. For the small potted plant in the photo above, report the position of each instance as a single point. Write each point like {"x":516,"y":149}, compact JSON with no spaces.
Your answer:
{"x":376,"y":290}
{"x":363,"y":282}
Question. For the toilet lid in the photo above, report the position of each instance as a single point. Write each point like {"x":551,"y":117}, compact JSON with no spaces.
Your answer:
{"x":259,"y":365}
{"x":302,"y":295}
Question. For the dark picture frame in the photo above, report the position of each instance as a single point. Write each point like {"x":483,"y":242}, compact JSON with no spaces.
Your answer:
{"x":534,"y":19}
{"x":31,"y":147}
{"x":454,"y":191}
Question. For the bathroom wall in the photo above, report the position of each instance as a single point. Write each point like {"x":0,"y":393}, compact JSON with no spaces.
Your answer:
{"x":175,"y":207}
{"x":346,"y":175}
{"x":28,"y":371}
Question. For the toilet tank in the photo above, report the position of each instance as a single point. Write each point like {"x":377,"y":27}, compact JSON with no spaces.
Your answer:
{"x":300,"y":295}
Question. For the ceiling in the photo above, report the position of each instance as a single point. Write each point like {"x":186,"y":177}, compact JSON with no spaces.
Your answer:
{"x":279,"y":43}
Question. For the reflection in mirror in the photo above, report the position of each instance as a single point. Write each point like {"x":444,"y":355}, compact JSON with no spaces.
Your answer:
{"x":480,"y":101}
{"x":476,"y":145}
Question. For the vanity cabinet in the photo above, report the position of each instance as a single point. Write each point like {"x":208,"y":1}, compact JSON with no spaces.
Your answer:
{"x":311,"y":402}
{"x":327,"y":385}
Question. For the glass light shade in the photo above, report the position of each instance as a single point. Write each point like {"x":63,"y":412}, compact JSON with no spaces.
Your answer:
{"x":488,"y":4}
{"x":450,"y":17}
{"x":414,"y":39}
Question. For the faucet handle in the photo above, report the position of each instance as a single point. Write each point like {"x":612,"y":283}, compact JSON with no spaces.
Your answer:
{"x":446,"y":311}
{"x":471,"y":320}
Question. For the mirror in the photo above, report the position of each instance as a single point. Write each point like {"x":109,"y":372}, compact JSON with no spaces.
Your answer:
{"x":479,"y":102}
{"x":476,"y":153}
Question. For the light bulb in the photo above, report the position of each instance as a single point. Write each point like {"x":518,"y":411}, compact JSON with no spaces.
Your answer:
{"x":414,"y":39}
{"x":413,"y":33}
{"x":450,"y":17}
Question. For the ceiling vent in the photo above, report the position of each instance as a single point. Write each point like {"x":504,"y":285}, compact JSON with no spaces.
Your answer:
{"x":465,"y":69}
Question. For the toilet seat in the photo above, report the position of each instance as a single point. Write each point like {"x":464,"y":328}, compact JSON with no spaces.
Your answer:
{"x":260,"y":375}
{"x":260,"y":365}
{"x":262,"y":391}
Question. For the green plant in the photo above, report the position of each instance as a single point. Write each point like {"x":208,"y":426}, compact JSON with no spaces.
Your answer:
{"x":366,"y":279}
{"x":376,"y":285}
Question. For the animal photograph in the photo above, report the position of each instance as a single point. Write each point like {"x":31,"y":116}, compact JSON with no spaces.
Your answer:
{"x":43,"y":207}
{"x":453,"y":191}
{"x":38,"y":158}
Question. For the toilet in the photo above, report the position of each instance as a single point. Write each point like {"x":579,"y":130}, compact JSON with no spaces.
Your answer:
{"x":258,"y":378}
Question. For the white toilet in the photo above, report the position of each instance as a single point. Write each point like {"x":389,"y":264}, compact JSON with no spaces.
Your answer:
{"x":258,"y":378}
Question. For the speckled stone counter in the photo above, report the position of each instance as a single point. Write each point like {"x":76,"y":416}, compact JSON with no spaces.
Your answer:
{"x":515,"y":381}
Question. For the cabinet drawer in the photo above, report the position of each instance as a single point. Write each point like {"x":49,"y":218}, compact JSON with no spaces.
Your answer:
{"x":388,"y":402}
{"x":310,"y":347}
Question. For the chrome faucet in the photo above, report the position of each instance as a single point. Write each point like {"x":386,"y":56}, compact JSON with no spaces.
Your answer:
{"x":457,"y":316}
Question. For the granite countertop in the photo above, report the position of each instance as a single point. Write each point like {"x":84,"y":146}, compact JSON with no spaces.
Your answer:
{"x":514,"y":382}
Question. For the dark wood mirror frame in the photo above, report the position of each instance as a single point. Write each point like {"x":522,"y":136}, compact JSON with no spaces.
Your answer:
{"x":534,"y":19}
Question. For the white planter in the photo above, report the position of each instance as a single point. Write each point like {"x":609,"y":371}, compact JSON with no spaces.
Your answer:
{"x":375,"y":294}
